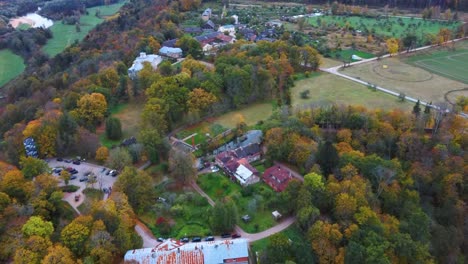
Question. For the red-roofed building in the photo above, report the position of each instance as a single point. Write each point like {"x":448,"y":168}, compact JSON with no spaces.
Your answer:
{"x":277,"y":177}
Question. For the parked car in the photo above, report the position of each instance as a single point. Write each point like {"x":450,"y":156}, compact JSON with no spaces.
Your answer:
{"x":114,"y":173}
{"x":76,"y":162}
{"x":67,"y":161}
{"x":184,"y":240}
{"x":103,"y":170}
{"x":69,"y":169}
{"x":74,"y":171}
{"x":210,"y":238}
{"x":77,"y":197}
{"x":82,"y":179}
{"x":196,"y":239}
{"x":235,"y":235}
{"x":59,"y":159}
{"x":214,"y":169}
{"x":57,"y":170}
{"x":108,"y":172}
{"x":225,"y":235}
{"x":73,"y":177}
{"x":160,"y":239}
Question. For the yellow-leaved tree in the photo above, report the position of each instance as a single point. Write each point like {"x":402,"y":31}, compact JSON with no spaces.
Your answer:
{"x":392,"y":46}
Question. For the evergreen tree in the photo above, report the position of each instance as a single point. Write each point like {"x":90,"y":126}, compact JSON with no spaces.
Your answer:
{"x":427,"y":109}
{"x":327,"y":157}
{"x":113,"y":128}
{"x":417,"y":108}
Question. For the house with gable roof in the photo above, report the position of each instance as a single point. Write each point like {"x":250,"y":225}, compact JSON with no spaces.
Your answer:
{"x":277,"y":177}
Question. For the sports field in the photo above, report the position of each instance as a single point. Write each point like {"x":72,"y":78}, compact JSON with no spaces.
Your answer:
{"x":11,"y":65}
{"x":389,"y":27}
{"x":448,"y":63}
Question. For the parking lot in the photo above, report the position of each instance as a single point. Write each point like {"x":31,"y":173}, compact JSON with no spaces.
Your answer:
{"x":102,"y":180}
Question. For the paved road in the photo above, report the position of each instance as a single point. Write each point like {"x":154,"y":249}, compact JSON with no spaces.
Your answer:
{"x":149,"y":240}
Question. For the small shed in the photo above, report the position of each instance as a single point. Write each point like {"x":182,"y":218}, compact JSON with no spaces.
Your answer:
{"x":246,"y":218}
{"x":276,"y":215}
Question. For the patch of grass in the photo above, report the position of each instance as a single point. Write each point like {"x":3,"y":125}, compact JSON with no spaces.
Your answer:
{"x":251,"y":114}
{"x":395,"y":75}
{"x":11,"y":65}
{"x":386,"y":27}
{"x":130,"y":116}
{"x":92,"y":196}
{"x":327,"y":89}
{"x":23,"y":26}
{"x":200,"y":129}
{"x":65,"y":35}
{"x":217,"y":185}
{"x":70,"y":188}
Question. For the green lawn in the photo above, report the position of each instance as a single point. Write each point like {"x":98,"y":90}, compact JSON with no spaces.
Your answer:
{"x":64,"y":35}
{"x":448,"y":63}
{"x":299,"y":243}
{"x":217,"y":185}
{"x":327,"y":89}
{"x":388,"y":27}
{"x":190,"y":219}
{"x":252,"y":200}
{"x":201,"y":129}
{"x":251,"y":115}
{"x":11,"y":65}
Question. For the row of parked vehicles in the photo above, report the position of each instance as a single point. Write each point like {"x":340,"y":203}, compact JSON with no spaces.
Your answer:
{"x":199,"y":239}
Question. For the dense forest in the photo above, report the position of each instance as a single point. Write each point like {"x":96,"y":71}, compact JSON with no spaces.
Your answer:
{"x":379,"y":186}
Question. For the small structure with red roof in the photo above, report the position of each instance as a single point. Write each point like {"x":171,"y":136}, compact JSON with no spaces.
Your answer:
{"x":277,"y":177}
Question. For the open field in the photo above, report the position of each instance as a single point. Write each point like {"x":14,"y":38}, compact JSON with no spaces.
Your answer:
{"x":200,"y":129}
{"x":64,"y":35}
{"x":130,"y":116}
{"x":348,"y":53}
{"x":11,"y":65}
{"x":327,"y":89}
{"x":448,"y":63}
{"x":388,"y":27}
{"x":394,"y":74}
{"x":252,"y":114}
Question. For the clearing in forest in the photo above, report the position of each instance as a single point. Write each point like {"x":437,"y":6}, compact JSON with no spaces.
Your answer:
{"x":11,"y":65}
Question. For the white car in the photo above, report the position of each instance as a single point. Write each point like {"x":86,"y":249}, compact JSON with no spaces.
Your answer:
{"x":214,"y":169}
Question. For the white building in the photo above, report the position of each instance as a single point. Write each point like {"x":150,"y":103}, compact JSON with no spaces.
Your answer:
{"x":153,"y":60}
{"x":245,"y":176}
{"x":234,"y":251}
{"x":228,"y":28}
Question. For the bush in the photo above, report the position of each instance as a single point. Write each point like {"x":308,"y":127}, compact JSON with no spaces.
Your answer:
{"x":305,"y":94}
{"x":70,"y":188}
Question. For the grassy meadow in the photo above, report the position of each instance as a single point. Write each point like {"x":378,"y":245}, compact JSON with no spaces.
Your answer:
{"x":64,"y":35}
{"x":11,"y":65}
{"x":327,"y":89}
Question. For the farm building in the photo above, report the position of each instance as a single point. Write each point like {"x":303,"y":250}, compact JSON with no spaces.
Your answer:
{"x":175,"y":252}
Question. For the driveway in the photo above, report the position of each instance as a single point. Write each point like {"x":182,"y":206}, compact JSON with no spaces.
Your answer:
{"x":103,"y":180}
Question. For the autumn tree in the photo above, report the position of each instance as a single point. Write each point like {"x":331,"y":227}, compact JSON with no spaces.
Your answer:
{"x":190,"y":46}
{"x":102,"y":153}
{"x":392,"y":46}
{"x":200,"y":100}
{"x":327,"y":157}
{"x":91,"y":109}
{"x":36,"y":226}
{"x":65,"y":176}
{"x":137,"y":186}
{"x":74,"y":237}
{"x":119,"y":158}
{"x":181,"y":166}
{"x":58,"y":255}
{"x":325,"y":239}
{"x":31,"y":167}
{"x":279,"y":249}
{"x":15,"y":186}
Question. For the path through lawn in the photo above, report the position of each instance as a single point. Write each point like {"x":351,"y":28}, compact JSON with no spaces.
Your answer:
{"x":326,"y":89}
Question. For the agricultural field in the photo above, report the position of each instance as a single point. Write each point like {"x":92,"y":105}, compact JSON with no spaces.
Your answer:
{"x":65,"y":35}
{"x":394,"y":74}
{"x":327,"y":89}
{"x":11,"y":65}
{"x":444,"y":62}
{"x":255,"y":200}
{"x":384,"y":27}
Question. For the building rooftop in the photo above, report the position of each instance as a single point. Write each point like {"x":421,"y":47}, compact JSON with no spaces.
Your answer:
{"x":174,"y":252}
{"x":277,"y":177}
{"x":137,"y":65}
